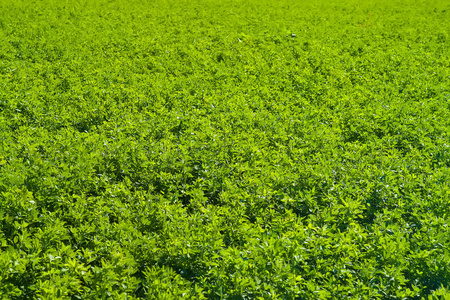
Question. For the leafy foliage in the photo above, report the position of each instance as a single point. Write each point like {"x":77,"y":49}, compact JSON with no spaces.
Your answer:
{"x":224,"y":150}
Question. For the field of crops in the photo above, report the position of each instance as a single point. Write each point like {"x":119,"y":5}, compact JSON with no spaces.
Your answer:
{"x":228,"y":149}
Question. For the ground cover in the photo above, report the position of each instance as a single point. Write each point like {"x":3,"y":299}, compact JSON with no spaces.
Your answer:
{"x":224,"y":149}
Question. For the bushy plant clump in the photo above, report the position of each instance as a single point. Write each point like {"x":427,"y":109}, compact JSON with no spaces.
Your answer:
{"x":224,"y":149}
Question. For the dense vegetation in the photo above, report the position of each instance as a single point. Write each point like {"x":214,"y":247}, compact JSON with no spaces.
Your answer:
{"x":224,"y":149}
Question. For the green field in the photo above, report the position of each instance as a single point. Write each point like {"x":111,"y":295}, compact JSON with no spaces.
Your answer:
{"x":224,"y":149}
